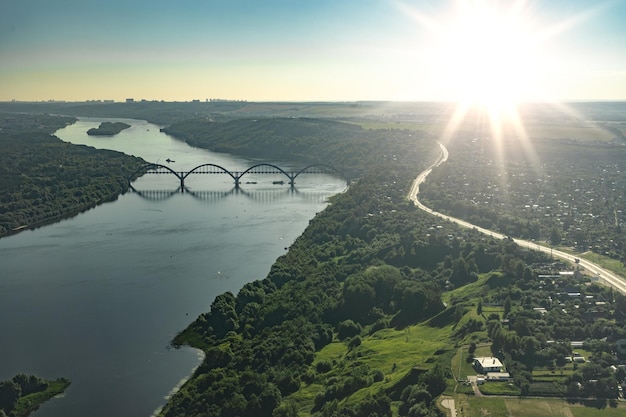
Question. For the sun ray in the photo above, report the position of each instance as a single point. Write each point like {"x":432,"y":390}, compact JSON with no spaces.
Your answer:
{"x":492,"y":56}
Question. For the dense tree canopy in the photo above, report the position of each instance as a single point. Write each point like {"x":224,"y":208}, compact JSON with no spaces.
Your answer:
{"x":43,"y":179}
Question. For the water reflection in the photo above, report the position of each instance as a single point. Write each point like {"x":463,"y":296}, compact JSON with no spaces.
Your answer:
{"x":258,"y":196}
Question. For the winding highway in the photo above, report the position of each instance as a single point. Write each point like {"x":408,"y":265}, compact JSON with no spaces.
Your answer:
{"x":605,"y":276}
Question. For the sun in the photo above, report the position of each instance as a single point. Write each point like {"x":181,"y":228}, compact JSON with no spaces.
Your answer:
{"x":489,"y":57}
{"x":489,"y":54}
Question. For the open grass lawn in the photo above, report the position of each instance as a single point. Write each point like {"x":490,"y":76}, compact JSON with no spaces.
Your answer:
{"x":606,"y":262}
{"x":394,"y":352}
{"x":487,"y":310}
{"x":611,"y":264}
{"x":532,"y":407}
{"x":557,"y":374}
{"x":579,"y":410}
{"x":468,"y":406}
{"x":460,"y":365}
{"x":499,"y":388}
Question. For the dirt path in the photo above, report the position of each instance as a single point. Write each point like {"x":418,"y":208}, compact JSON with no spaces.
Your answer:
{"x":449,"y":404}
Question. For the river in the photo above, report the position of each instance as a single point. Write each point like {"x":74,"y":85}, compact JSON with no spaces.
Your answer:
{"x":98,"y":297}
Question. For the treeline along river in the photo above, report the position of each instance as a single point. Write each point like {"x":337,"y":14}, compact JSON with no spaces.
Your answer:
{"x":98,"y":297}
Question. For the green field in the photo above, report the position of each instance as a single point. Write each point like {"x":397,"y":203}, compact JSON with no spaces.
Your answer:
{"x":391,"y":351}
{"x":468,"y":406}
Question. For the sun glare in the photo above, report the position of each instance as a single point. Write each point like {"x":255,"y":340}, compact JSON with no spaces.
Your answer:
{"x":489,"y":55}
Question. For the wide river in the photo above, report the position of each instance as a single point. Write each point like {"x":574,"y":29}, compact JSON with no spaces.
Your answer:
{"x":97,"y":298}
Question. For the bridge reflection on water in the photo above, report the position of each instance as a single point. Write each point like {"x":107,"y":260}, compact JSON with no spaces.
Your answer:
{"x":261,"y":196}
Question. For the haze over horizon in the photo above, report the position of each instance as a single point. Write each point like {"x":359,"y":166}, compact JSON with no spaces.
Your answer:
{"x":279,"y":50}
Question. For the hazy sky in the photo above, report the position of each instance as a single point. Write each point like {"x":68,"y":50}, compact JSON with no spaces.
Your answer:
{"x":329,"y":50}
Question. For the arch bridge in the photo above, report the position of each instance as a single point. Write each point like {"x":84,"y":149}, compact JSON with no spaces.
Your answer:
{"x":262,"y":168}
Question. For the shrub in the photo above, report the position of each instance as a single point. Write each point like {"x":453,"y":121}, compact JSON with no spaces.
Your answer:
{"x":348,"y":328}
{"x":322,"y":367}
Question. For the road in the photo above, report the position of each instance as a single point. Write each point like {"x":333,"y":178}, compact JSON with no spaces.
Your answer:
{"x":605,"y":276}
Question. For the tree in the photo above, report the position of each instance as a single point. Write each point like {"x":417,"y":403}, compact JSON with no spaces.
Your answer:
{"x":287,"y":409}
{"x":9,"y":394}
{"x":435,"y":380}
{"x":555,"y":236}
{"x":270,"y":398}
{"x":348,"y":328}
{"x":620,"y":306}
{"x":507,"y":306}
{"x":30,"y":383}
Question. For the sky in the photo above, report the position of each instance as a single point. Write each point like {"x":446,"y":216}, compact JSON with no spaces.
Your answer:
{"x":322,"y":50}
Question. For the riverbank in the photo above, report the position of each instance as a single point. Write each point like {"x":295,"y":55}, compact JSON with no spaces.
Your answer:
{"x":45,"y":179}
{"x":179,"y":385}
{"x":31,"y":392}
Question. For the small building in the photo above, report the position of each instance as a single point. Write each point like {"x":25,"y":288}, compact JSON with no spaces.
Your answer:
{"x":498,"y":376}
{"x":487,"y":364}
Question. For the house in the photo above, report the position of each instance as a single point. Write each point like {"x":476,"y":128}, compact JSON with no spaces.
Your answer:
{"x":487,"y":364}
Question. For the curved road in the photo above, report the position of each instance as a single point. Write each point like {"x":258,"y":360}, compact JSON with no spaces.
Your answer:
{"x":604,"y":275}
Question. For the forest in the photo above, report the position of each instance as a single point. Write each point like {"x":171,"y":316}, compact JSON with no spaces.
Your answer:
{"x":348,"y":147}
{"x":43,"y":179}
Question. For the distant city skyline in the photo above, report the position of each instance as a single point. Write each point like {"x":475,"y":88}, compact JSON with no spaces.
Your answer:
{"x":281,"y":50}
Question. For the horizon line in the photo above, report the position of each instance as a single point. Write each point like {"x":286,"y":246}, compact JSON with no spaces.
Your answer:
{"x":217,"y":101}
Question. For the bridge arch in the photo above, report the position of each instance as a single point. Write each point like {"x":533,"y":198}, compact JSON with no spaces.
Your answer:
{"x":326,"y":169}
{"x":150,"y":166}
{"x":233,"y":176}
{"x":266,"y":165}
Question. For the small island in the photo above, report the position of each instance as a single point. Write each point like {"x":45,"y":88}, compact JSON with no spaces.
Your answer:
{"x":23,"y":394}
{"x":108,"y":129}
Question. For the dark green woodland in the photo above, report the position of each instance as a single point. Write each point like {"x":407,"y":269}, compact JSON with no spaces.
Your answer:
{"x":43,"y":179}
